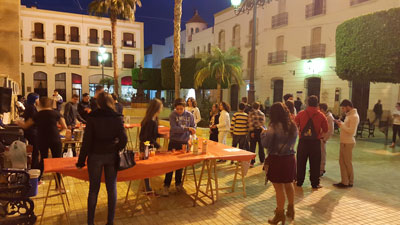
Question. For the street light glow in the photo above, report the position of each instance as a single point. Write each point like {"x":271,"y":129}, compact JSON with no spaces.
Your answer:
{"x":236,"y":3}
{"x":100,"y":58}
{"x":102,"y":50}
{"x":105,"y":56}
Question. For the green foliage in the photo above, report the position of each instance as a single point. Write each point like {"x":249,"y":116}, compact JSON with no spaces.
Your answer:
{"x":152,"y":78}
{"x":368,"y":47}
{"x":205,"y":106}
{"x":107,"y":82}
{"x":188,"y":70}
{"x":224,"y":67}
{"x":123,"y":9}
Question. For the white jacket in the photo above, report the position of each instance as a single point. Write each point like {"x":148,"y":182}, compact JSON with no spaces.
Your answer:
{"x":348,"y":130}
{"x":224,"y":121}
{"x":196,"y":113}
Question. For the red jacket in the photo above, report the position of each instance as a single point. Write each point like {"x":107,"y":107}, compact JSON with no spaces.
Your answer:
{"x":319,"y":120}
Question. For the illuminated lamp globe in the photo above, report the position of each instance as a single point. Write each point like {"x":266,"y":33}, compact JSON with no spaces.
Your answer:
{"x":236,"y":3}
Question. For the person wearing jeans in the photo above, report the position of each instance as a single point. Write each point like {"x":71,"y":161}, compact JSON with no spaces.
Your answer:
{"x":348,"y":130}
{"x":256,"y":124}
{"x":396,"y":124}
{"x":323,"y":107}
{"x":182,"y":126}
{"x":104,"y":137}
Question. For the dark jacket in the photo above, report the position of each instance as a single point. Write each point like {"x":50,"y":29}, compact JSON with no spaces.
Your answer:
{"x":93,"y":104}
{"x":104,"y":134}
{"x":149,"y":132}
{"x":119,"y":108}
{"x":29,"y":113}
{"x":81,"y":109}
{"x":378,"y":109}
{"x":71,"y":115}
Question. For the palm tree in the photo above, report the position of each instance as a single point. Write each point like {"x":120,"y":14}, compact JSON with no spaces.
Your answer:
{"x":224,"y":67}
{"x":177,"y":46}
{"x":115,"y":9}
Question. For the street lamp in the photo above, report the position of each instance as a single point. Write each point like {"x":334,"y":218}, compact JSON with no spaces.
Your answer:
{"x":102,"y":57}
{"x":245,"y":7}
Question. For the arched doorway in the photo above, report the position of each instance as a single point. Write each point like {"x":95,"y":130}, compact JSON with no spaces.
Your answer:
{"x":313,"y":86}
{"x":60,"y":85}
{"x":94,"y":80}
{"x":277,"y":86}
{"x":126,"y":88}
{"x":77,"y":84}
{"x":40,"y":83}
{"x":234,"y":96}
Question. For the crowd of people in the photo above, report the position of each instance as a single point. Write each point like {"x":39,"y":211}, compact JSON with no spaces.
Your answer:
{"x":311,"y":124}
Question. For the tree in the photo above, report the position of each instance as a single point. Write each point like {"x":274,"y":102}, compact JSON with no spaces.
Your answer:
{"x":220,"y":66}
{"x":115,"y":9}
{"x":152,"y":78}
{"x":107,"y":82}
{"x":177,"y":45}
{"x":368,"y":48}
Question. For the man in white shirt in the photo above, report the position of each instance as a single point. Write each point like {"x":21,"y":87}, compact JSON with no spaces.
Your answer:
{"x":57,"y":101}
{"x":323,"y":107}
{"x":348,"y":130}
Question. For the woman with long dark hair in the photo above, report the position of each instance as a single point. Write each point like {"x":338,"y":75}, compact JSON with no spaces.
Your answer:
{"x":214,"y":120}
{"x":280,"y":139}
{"x":104,"y":137}
{"x":149,"y":129}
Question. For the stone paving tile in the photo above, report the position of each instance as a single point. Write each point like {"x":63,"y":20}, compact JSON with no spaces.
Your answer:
{"x":375,"y":198}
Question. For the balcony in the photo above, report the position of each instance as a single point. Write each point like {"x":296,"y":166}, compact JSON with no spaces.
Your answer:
{"x":129,"y":43}
{"x":313,"y":10}
{"x":107,"y":41}
{"x":356,"y":2}
{"x":38,"y":59}
{"x":277,"y":57}
{"x":248,"y":43}
{"x":37,"y":35}
{"x":280,"y":20}
{"x":60,"y":60}
{"x":313,"y":51}
{"x":75,"y":61}
{"x":93,"y":62}
{"x":59,"y":37}
{"x":129,"y":65}
{"x":74,"y":38}
{"x":93,"y":40}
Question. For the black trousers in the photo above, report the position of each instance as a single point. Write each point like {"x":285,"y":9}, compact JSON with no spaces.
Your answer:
{"x":253,"y":145}
{"x":308,"y":150}
{"x":240,"y":140}
{"x":44,"y":146}
{"x":35,"y":153}
{"x":396,"y":131}
{"x":214,"y":135}
{"x":178,"y":173}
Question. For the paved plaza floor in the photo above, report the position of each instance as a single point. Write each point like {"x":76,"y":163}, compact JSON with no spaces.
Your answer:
{"x":374,"y":199}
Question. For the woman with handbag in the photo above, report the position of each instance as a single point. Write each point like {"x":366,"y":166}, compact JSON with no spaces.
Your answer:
{"x":149,"y":129}
{"x":104,"y":137}
{"x":280,"y":139}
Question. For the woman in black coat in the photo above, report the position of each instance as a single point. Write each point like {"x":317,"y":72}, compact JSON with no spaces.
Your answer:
{"x":214,"y":121}
{"x":104,"y":137}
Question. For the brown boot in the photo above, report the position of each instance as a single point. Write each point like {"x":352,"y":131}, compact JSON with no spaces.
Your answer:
{"x":279,"y":217}
{"x":290,"y":212}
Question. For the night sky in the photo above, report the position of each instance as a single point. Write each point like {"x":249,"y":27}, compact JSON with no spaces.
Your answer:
{"x":157,"y":15}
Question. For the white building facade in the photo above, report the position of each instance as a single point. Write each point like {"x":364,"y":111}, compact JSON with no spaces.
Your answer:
{"x":295,"y":49}
{"x":59,"y":51}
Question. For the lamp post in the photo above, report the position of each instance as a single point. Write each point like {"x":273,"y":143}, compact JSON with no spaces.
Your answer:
{"x":246,"y":7}
{"x":102,"y":57}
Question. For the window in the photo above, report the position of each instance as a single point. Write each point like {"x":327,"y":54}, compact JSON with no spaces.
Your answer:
{"x":39,"y":55}
{"x":60,"y":33}
{"x":316,"y":48}
{"x":75,"y":60}
{"x":281,"y":6}
{"x":248,"y":44}
{"x":106,"y":37}
{"x":94,"y":61}
{"x":249,"y":60}
{"x":236,"y":37}
{"x":280,"y":56}
{"x":209,"y":48}
{"x":282,"y":18}
{"x":191,"y":30}
{"x":93,"y":36}
{"x":76,"y":84}
{"x":108,"y":62}
{"x":74,"y":34}
{"x":60,"y":56}
{"x":221,"y":40}
{"x":38,"y":31}
{"x":318,"y":7}
{"x":316,"y":36}
{"x":128,"y":40}
{"x":60,"y":84}
{"x":279,"y":43}
{"x":40,"y":83}
{"x":197,"y":30}
{"x":129,"y":61}
{"x":198,"y":49}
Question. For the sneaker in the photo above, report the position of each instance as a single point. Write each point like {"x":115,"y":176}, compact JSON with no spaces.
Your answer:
{"x":316,"y":186}
{"x":179,"y":188}
{"x":165,"y":192}
{"x":321,"y":174}
{"x":341,"y":185}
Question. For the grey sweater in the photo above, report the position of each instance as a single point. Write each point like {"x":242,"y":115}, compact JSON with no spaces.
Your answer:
{"x":179,"y":132}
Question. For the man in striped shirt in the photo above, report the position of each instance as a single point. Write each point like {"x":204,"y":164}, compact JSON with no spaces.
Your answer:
{"x":256,"y":123}
{"x":240,"y":128}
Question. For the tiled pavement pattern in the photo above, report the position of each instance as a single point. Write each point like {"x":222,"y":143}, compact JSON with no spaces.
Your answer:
{"x":374,"y":199}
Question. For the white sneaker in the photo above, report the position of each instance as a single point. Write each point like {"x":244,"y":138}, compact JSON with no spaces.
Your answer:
{"x":179,"y":188}
{"x":165,"y":192}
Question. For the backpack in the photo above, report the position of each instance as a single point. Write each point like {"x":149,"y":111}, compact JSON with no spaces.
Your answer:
{"x":309,"y":133}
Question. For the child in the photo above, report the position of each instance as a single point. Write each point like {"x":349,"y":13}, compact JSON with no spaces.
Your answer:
{"x":149,"y":130}
{"x":224,"y":122}
{"x":192,"y":108}
{"x":182,"y":126}
{"x":214,"y":120}
{"x":240,"y":128}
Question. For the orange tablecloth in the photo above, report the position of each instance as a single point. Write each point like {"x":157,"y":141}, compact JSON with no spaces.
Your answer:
{"x":154,"y":166}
